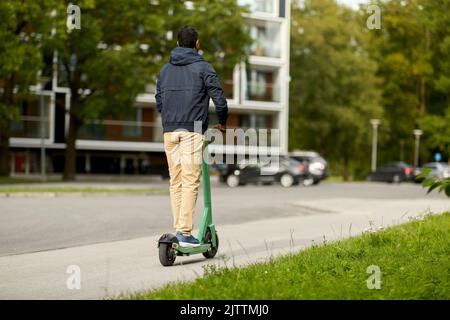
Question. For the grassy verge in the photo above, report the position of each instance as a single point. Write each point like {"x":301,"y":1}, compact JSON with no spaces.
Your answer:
{"x":82,"y":190}
{"x":413,"y":259}
{"x":334,"y":179}
{"x":10,"y":180}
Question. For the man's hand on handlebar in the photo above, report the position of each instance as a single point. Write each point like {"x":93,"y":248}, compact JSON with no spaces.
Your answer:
{"x":220,"y":127}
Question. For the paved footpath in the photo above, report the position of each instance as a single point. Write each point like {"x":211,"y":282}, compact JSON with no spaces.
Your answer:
{"x":111,"y":268}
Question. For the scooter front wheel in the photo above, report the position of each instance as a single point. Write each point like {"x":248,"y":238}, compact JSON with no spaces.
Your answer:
{"x":166,"y":255}
{"x":211,"y":253}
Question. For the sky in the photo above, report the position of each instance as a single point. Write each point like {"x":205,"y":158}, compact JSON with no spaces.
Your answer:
{"x":352,"y":3}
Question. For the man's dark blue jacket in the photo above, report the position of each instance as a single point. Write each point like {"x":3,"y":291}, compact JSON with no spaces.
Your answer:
{"x":183,"y":89}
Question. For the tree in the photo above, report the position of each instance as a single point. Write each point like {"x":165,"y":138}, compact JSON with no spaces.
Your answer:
{"x":436,"y":124}
{"x":433,"y":14}
{"x":412,"y":50}
{"x":122,"y":44}
{"x":103,"y":63}
{"x":437,"y":132}
{"x":334,"y":88}
{"x":23,"y":27}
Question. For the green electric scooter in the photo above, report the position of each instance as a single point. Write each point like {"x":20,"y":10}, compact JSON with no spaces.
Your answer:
{"x":168,"y":245}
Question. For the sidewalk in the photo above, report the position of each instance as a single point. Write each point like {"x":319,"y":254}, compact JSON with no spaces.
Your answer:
{"x":109,"y":269}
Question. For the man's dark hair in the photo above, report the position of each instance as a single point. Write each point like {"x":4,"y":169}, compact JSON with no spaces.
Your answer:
{"x":187,"y":37}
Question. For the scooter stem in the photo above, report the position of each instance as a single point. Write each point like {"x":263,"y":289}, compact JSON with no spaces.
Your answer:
{"x":205,"y":177}
{"x":207,"y":210}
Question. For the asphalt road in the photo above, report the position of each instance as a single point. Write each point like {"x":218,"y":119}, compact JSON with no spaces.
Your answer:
{"x":112,"y":240}
{"x":40,"y":223}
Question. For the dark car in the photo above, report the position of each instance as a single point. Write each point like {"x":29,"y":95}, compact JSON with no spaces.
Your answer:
{"x":289,"y":172}
{"x":393,"y":172}
{"x":316,"y":166}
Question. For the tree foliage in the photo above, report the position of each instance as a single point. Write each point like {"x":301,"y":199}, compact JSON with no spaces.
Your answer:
{"x":412,"y":50}
{"x":334,"y":90}
{"x":437,"y":131}
{"x":23,"y":26}
{"x":400,"y":74}
{"x":118,"y":50}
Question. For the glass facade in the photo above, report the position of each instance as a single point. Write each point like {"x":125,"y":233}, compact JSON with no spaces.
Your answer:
{"x":228,"y":84}
{"x":262,"y":85}
{"x":266,"y":6}
{"x":247,"y":122}
{"x":257,"y":121}
{"x":266,"y":36}
{"x":134,"y":129}
{"x":31,"y":121}
{"x":141,"y":126}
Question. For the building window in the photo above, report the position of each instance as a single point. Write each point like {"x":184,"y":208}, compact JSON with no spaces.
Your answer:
{"x":228,"y":84}
{"x":31,"y":121}
{"x":262,"y":85}
{"x":92,"y":131}
{"x":266,"y":36}
{"x":266,"y":6}
{"x":282,"y":10}
{"x":133,"y":125}
{"x":256,"y":121}
{"x":140,"y":125}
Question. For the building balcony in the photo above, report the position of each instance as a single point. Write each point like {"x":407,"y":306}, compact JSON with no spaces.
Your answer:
{"x":117,"y":130}
{"x":262,"y":84}
{"x":260,"y":91}
{"x":266,"y":37}
{"x":30,"y":127}
{"x":35,"y":120}
{"x":259,"y":6}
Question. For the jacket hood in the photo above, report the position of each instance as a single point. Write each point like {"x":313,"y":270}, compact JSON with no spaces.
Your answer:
{"x":183,"y":56}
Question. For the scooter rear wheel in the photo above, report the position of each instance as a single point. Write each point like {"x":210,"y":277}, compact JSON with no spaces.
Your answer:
{"x":211,"y":253}
{"x":166,"y":255}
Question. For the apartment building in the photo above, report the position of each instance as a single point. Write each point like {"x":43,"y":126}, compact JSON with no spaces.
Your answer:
{"x":257,"y":93}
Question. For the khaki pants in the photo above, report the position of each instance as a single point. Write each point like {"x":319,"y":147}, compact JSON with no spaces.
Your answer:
{"x":184,"y":158}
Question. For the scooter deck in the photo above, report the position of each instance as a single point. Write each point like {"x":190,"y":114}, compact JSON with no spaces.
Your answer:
{"x":192,"y":250}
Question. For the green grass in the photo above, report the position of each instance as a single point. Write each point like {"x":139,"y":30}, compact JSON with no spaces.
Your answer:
{"x":413,"y":259}
{"x":82,"y":190}
{"x":334,"y":179}
{"x":10,"y":180}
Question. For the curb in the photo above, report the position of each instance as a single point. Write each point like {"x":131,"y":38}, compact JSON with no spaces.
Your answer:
{"x":74,"y":194}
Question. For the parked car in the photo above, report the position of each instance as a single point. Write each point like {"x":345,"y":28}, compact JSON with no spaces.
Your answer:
{"x":439,"y":170}
{"x":289,"y":172}
{"x":316,"y":166}
{"x":393,"y":172}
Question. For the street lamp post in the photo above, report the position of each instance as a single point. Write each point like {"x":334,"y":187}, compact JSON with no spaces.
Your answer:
{"x":417,"y":133}
{"x":402,"y":150}
{"x":375,"y":123}
{"x":43,"y":123}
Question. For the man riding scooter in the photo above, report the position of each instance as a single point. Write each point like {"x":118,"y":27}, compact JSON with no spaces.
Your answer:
{"x":184,"y":87}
